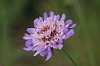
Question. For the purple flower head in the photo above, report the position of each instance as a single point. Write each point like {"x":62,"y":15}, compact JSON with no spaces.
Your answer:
{"x":48,"y":32}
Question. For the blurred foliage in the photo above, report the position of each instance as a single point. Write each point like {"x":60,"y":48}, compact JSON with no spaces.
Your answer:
{"x":17,"y":15}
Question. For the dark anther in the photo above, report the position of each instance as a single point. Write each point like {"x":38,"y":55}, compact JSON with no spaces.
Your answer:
{"x":57,"y":43}
{"x":47,"y":43}
{"x":44,"y":39}
{"x":51,"y":34}
{"x":38,"y":32}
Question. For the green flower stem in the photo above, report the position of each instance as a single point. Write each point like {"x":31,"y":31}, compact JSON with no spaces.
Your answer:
{"x":69,"y":57}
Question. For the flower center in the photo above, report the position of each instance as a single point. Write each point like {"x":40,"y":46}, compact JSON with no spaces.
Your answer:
{"x":45,"y":29}
{"x":53,"y":33}
{"x":48,"y":32}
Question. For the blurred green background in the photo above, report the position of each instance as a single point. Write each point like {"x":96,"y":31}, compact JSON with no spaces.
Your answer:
{"x":18,"y":15}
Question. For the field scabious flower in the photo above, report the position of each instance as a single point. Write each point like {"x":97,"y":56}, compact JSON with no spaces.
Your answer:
{"x":48,"y":33}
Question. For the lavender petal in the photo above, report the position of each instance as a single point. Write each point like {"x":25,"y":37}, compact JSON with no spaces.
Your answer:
{"x":31,"y":30}
{"x":42,"y":53}
{"x":28,"y":43}
{"x":65,"y":30}
{"x":60,"y":46}
{"x":49,"y":54}
{"x":72,"y":26}
{"x":45,"y":15}
{"x":28,"y":48}
{"x":68,"y":22}
{"x":37,"y":53}
{"x":52,"y":14}
{"x":27,"y":37}
{"x":69,"y":33}
{"x":63,"y":17}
